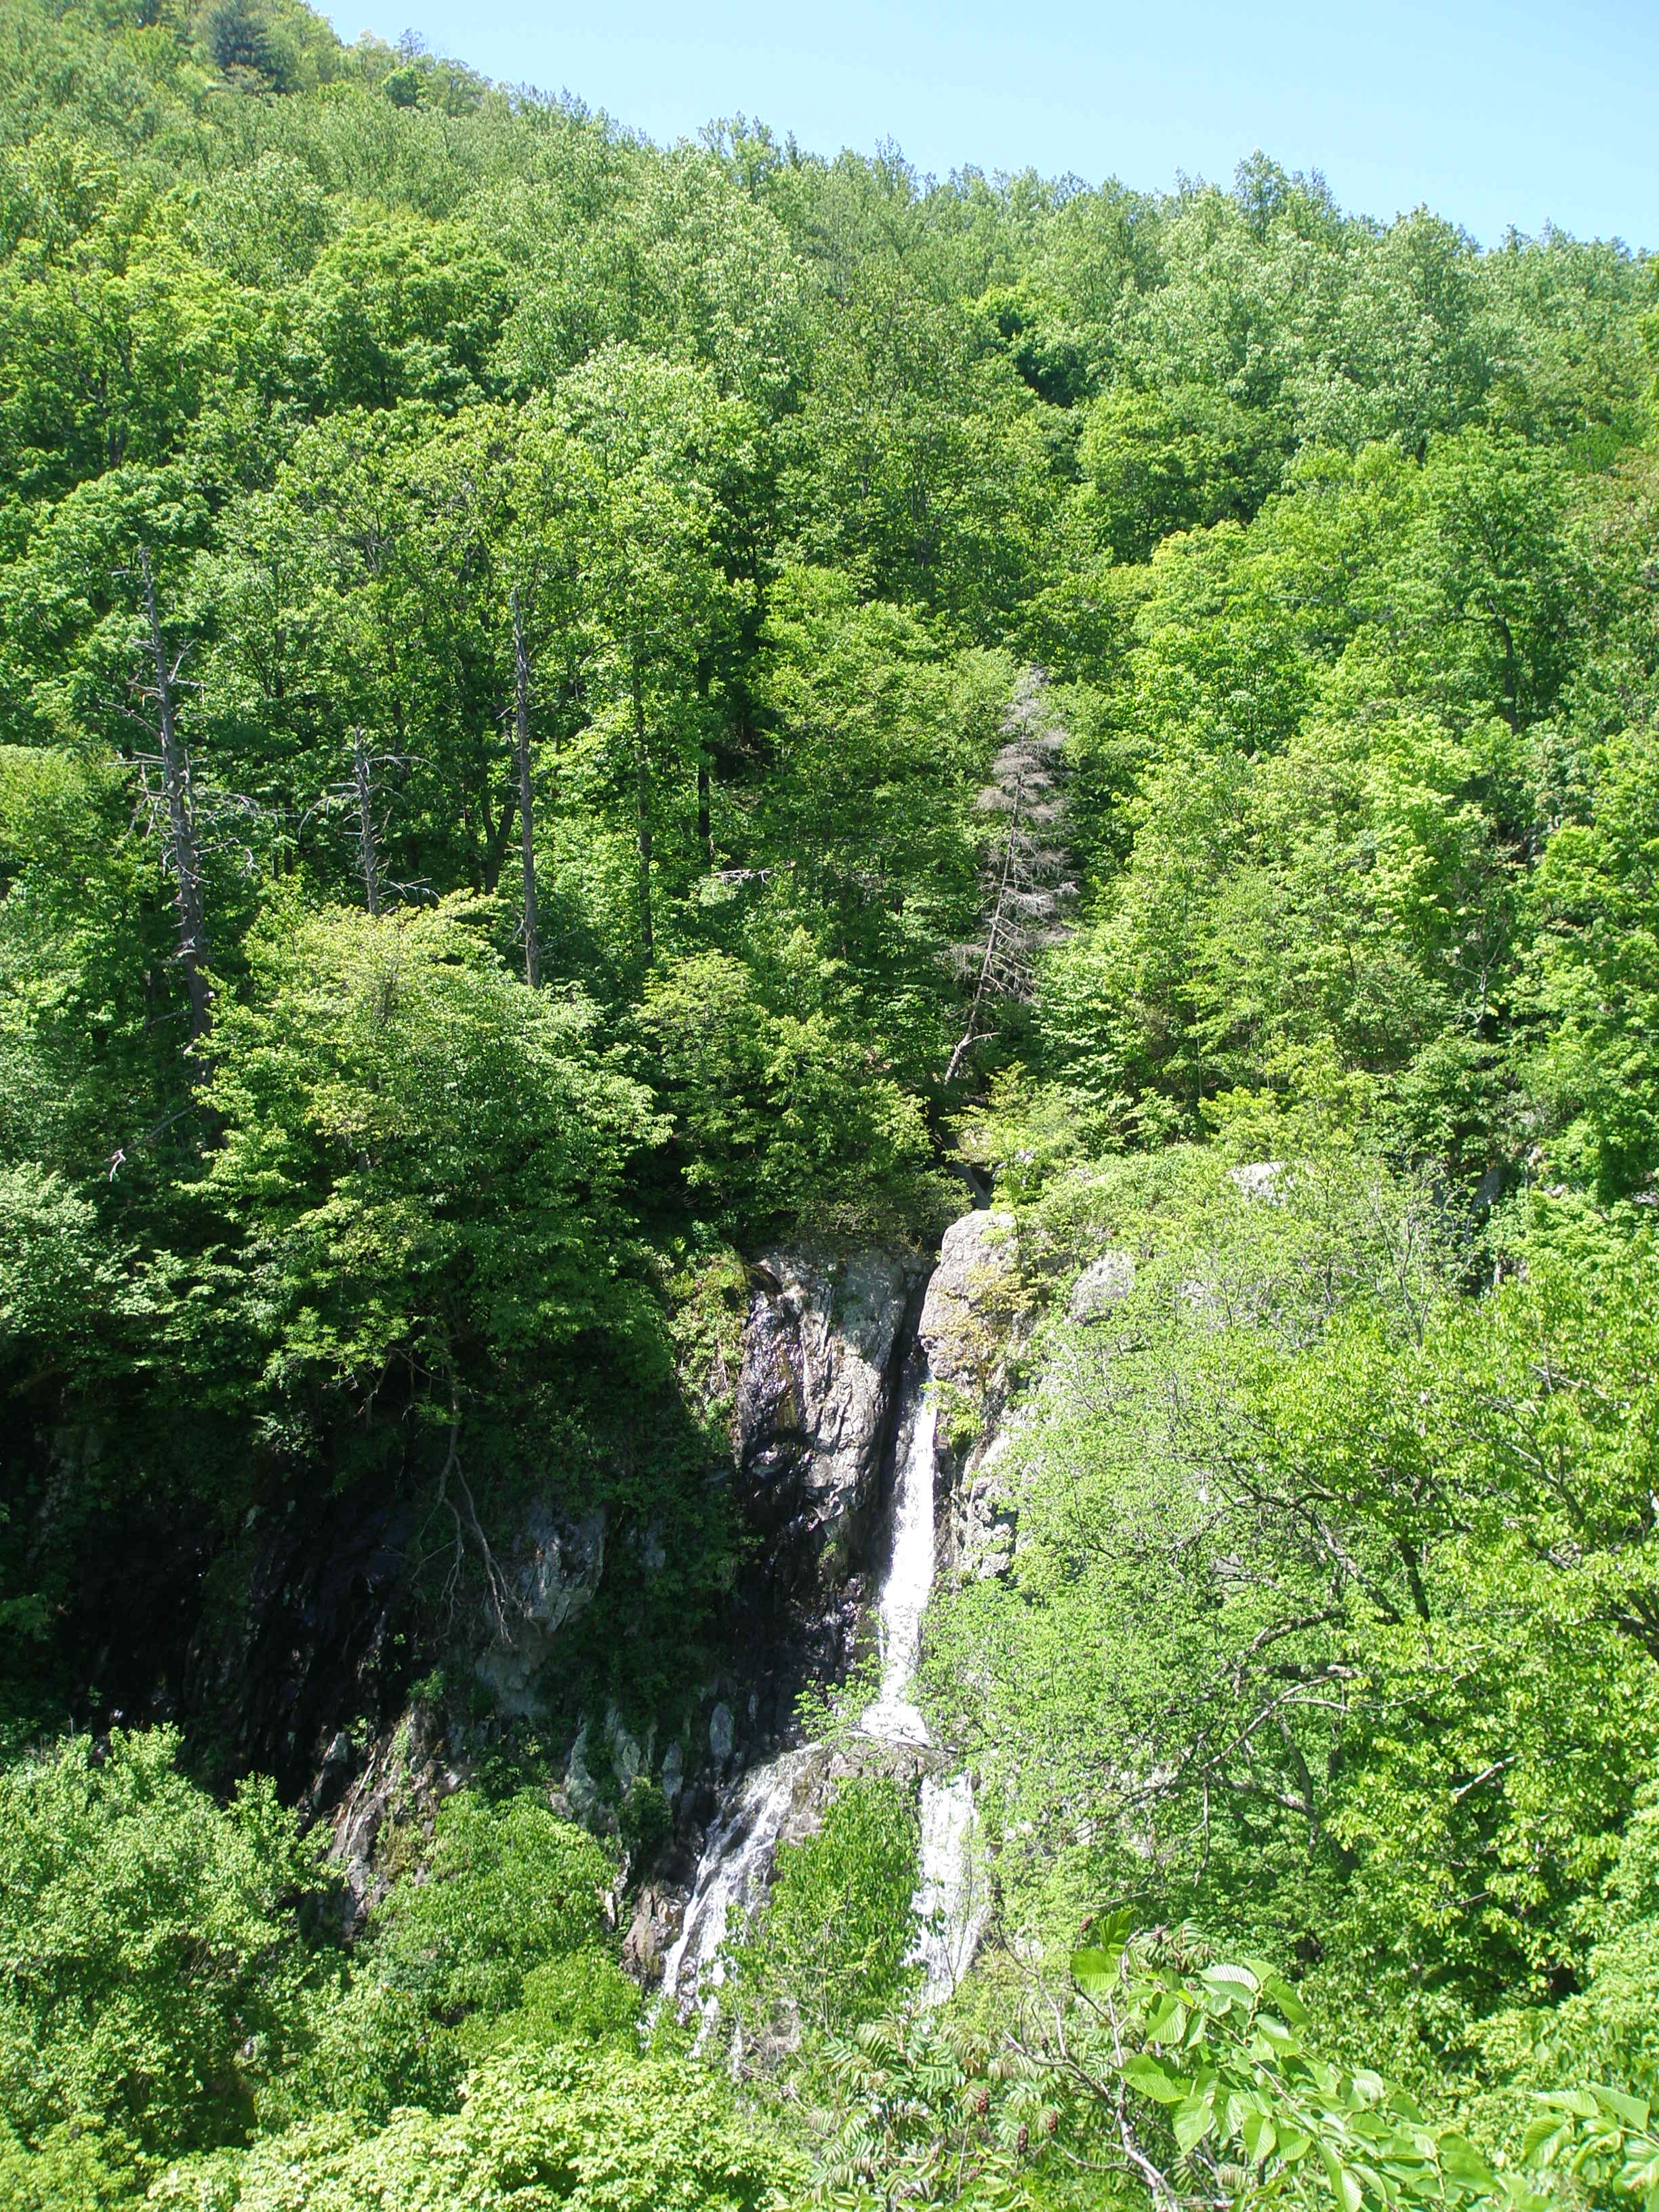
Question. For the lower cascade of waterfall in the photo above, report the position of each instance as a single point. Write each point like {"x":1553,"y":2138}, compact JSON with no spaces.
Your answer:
{"x":736,"y":1867}
{"x":732,"y":1876}
{"x":952,"y":1904}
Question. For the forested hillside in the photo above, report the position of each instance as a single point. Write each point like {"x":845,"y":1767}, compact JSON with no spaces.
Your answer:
{"x":574,"y":715}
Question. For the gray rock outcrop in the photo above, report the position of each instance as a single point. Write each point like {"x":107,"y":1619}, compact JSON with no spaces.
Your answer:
{"x":821,"y":1351}
{"x":1257,"y":1178}
{"x":969,"y":1312}
{"x":1103,"y":1283}
{"x":552,"y":1577}
{"x":972,"y":1316}
{"x":659,"y":1911}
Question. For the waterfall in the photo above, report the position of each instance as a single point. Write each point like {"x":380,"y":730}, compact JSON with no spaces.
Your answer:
{"x":950,"y":1913}
{"x":736,"y":1866}
{"x":733,"y":1874}
{"x":952,"y":1906}
{"x":909,"y":1579}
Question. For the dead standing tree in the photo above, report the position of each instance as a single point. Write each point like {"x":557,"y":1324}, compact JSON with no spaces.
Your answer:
{"x":362,"y":782}
{"x":183,"y":857}
{"x":532,"y":958}
{"x":1025,"y":870}
{"x":363,"y":799}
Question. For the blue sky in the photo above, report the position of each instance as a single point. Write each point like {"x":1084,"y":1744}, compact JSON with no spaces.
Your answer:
{"x":1523,"y":113}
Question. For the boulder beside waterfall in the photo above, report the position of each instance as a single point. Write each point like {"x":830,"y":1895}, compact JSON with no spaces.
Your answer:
{"x":971,"y":1307}
{"x":972,"y":1316}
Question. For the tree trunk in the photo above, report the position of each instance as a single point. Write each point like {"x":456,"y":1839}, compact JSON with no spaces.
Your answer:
{"x":705,"y":842}
{"x":496,"y":835}
{"x":642,"y":808}
{"x":363,"y":777}
{"x":532,"y":958}
{"x":181,"y":832}
{"x":970,"y":1034}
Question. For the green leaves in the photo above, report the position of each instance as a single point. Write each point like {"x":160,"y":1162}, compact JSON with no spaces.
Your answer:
{"x":413,"y":1144}
{"x":1333,"y":1611}
{"x":1235,"y":2072}
{"x":1161,"y":461}
{"x":1178,"y":2083}
{"x":152,"y":1973}
{"x":832,"y":1947}
{"x":587,"y":2128}
{"x":1145,"y":2074}
{"x":1603,"y":2136}
{"x":1413,"y":1727}
{"x":1596,"y":967}
{"x":508,"y":1889}
{"x":778,"y":1112}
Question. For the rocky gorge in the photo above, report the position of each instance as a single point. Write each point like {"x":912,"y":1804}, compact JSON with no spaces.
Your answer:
{"x":866,"y":1432}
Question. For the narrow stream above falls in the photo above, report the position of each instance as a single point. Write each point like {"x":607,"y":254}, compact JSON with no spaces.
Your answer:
{"x":735,"y":1869}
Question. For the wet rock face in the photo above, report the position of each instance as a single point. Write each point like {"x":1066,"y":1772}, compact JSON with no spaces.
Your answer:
{"x":554,"y":1573}
{"x":314,"y":1642}
{"x":676,"y":1935}
{"x":820,"y":1359}
{"x":404,"y":1776}
{"x":651,"y":1933}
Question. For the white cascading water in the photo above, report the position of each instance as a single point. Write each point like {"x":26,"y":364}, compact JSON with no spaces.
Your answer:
{"x":950,"y":1913}
{"x":951,"y":1905}
{"x":736,"y":1865}
{"x":904,"y":1594}
{"x":732,"y":1876}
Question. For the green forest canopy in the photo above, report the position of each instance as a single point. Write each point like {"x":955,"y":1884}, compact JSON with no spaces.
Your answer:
{"x":526,"y":662}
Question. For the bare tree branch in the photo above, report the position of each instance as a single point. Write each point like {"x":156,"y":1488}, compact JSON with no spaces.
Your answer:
{"x":363,"y":781}
{"x":532,"y":958}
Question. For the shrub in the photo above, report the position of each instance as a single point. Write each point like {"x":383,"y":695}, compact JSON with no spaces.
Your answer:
{"x":508,"y":1888}
{"x":583,"y":1998}
{"x":150,"y":1972}
{"x":837,"y":1932}
{"x":543,"y":2128}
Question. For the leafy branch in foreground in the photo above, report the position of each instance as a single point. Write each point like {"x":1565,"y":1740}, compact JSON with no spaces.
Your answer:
{"x":1196,"y":2085}
{"x":1604,"y":2138}
{"x":1215,"y":2094}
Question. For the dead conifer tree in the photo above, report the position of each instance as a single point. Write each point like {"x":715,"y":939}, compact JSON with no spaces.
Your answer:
{"x":180,"y":833}
{"x":532,"y":958}
{"x":362,"y":778}
{"x":1025,"y":869}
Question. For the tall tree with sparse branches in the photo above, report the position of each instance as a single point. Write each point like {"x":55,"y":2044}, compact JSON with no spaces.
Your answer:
{"x":1026,"y":868}
{"x":183,"y":857}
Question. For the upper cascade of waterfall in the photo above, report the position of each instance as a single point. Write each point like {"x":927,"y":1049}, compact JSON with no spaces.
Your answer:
{"x":894,"y":1718}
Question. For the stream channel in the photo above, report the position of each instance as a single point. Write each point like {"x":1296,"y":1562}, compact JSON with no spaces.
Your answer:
{"x":736,"y":1867}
